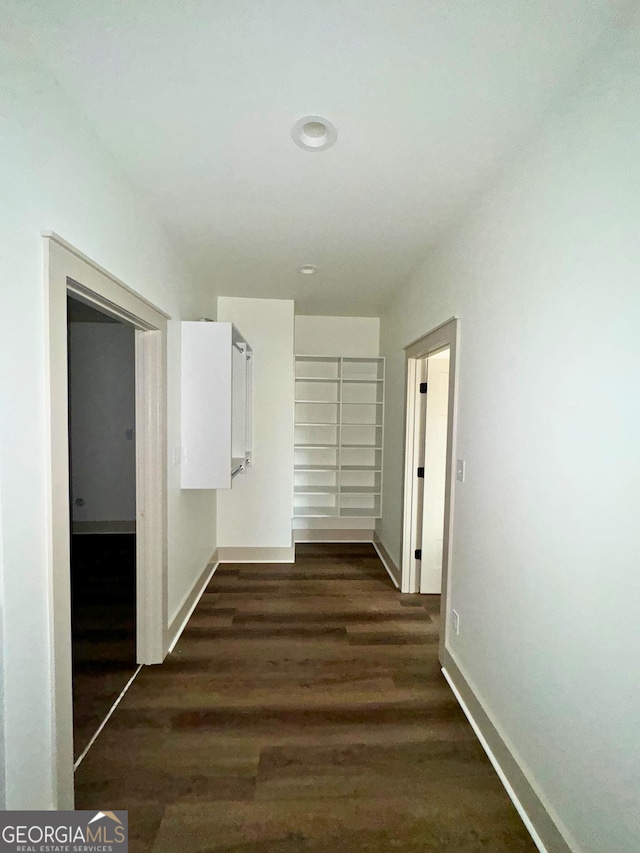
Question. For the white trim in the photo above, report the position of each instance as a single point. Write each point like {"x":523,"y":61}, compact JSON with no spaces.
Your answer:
{"x":79,"y":760}
{"x":66,"y":270}
{"x":417,"y":345}
{"x":445,"y":335}
{"x":541,"y":822}
{"x":191,"y":601}
{"x":257,"y":555}
{"x":349,"y":541}
{"x":496,"y":766}
{"x":72,"y":250}
{"x":387,"y":562}
{"x":151,"y":496}
{"x":335,"y":535}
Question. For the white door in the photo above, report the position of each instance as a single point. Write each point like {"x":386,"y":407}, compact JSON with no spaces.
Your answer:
{"x":435,"y":462}
{"x":421,"y":418}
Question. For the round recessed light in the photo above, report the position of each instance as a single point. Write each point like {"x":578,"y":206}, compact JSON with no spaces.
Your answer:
{"x":308,"y":269}
{"x":314,"y":133}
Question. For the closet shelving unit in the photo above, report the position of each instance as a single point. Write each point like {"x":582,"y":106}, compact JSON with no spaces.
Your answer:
{"x":338,"y":436}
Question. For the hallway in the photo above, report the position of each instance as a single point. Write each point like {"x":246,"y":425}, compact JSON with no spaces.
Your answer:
{"x":303,"y":710}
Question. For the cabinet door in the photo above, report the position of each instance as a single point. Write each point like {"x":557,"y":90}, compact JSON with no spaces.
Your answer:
{"x":238,"y":405}
{"x":206,"y":405}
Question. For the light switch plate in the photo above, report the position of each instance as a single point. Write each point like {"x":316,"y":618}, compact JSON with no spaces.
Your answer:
{"x":460,"y":470}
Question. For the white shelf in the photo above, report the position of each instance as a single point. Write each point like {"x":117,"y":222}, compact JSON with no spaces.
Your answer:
{"x":359,"y":512}
{"x":316,"y":511}
{"x":322,"y":358}
{"x":354,"y":415}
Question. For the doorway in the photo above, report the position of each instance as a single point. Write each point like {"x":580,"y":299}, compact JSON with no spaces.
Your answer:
{"x":102,"y":483}
{"x":70,"y":273}
{"x":429,"y":448}
{"x":433,"y":415}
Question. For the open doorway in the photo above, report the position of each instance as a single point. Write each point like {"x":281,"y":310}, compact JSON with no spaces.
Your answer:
{"x":430,"y":483}
{"x":429,"y":448}
{"x":69,"y":273}
{"x":102,"y":468}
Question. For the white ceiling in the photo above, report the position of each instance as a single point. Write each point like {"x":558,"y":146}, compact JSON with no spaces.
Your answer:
{"x":196,"y":99}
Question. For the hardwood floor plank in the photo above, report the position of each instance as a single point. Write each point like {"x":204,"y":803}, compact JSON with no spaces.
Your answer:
{"x":302,"y":711}
{"x":253,"y":632}
{"x":308,"y":604}
{"x":346,"y":825}
{"x":205,"y":692}
{"x":298,"y":616}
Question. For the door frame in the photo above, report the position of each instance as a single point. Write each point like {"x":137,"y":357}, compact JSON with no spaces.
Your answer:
{"x":68,"y":272}
{"x":447,"y":335}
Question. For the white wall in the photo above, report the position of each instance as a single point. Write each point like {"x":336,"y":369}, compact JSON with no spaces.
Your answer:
{"x":102,"y":397}
{"x":256,"y":512}
{"x":54,"y":175}
{"x":544,"y":275}
{"x":346,"y":336}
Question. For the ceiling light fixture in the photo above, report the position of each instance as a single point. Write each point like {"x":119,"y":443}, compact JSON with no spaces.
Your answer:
{"x":314,"y":133}
{"x":308,"y":269}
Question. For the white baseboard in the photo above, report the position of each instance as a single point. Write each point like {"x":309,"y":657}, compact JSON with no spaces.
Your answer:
{"x":392,"y":570}
{"x":257,"y":555}
{"x":310,"y":534}
{"x":179,"y":621}
{"x":536,"y":817}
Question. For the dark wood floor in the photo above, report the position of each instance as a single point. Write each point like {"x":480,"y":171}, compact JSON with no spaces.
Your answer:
{"x":303,"y":711}
{"x":103,"y":626}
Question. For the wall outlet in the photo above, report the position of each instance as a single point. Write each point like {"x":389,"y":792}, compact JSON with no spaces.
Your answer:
{"x":460,"y":470}
{"x":455,"y":621}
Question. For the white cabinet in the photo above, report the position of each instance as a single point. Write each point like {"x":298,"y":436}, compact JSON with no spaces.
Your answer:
{"x":216,"y":404}
{"x":338,"y":436}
